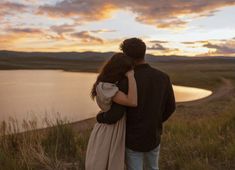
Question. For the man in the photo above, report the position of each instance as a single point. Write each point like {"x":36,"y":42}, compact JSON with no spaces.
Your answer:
{"x":156,"y":103}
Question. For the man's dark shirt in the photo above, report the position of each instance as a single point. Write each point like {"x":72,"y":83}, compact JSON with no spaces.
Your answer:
{"x":156,"y":103}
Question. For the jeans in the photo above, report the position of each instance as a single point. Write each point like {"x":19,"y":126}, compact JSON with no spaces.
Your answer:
{"x":135,"y":160}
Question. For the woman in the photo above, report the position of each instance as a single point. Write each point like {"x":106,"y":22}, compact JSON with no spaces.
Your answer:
{"x":106,"y":146}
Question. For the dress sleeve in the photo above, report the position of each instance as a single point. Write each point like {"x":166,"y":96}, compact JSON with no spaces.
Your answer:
{"x":105,"y":92}
{"x":116,"y":111}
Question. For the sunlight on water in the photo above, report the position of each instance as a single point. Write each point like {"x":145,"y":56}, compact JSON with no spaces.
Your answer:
{"x":47,"y":93}
{"x":184,"y":94}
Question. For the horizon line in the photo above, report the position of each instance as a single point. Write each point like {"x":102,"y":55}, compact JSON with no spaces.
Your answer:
{"x":196,"y":56}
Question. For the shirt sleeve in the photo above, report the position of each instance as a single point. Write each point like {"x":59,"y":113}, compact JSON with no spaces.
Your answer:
{"x":170,"y":102}
{"x":116,"y":111}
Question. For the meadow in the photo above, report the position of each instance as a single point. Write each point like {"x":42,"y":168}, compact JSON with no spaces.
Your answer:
{"x":199,"y":135}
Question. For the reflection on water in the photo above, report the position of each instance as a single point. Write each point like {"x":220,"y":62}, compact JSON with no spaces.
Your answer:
{"x":184,"y":94}
{"x":40,"y":93}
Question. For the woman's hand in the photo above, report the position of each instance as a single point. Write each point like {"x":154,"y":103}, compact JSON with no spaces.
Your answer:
{"x":130,"y":73}
{"x":131,"y":98}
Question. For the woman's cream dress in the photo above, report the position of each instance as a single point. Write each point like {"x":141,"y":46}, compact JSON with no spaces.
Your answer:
{"x":106,"y":146}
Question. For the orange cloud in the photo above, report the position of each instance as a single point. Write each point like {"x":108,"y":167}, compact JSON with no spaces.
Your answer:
{"x":14,"y":37}
{"x":163,"y":14}
{"x":84,"y":11}
{"x":9,"y":41}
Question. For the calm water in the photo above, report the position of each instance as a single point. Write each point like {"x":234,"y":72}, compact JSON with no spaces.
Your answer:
{"x":35,"y":94}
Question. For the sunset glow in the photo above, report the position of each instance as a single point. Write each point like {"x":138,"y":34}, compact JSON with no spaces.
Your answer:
{"x":191,"y":28}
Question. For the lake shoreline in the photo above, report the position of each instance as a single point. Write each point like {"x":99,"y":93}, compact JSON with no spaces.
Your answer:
{"x":82,"y":126}
{"x":225,"y":89}
{"x":45,"y":93}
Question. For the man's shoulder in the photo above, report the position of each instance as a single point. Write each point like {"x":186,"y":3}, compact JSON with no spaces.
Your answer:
{"x":159,"y":73}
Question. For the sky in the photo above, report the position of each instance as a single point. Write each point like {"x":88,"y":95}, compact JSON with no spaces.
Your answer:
{"x":168,"y":27}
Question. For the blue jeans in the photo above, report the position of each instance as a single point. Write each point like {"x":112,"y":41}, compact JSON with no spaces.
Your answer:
{"x":135,"y":160}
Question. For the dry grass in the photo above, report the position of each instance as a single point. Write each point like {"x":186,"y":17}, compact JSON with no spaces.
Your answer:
{"x":201,"y":142}
{"x":195,"y":138}
{"x":57,"y":148}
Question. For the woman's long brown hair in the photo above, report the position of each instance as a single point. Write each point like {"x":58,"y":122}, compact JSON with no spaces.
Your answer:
{"x":113,"y":70}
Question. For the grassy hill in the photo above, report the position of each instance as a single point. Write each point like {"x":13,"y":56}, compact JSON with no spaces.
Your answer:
{"x":199,"y":136}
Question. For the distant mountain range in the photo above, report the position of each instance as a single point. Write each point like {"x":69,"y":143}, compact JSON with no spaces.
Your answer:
{"x":97,"y":56}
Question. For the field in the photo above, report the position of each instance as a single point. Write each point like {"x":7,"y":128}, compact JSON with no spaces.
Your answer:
{"x":199,"y":136}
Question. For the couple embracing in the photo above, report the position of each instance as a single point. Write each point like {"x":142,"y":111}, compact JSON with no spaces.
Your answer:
{"x":135,"y":100}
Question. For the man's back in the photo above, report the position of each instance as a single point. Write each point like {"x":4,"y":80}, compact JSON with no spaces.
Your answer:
{"x":156,"y":103}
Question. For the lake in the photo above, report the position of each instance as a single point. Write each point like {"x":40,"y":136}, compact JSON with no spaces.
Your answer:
{"x":36,"y":94}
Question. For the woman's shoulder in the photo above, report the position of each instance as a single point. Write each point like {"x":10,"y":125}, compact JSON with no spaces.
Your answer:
{"x":107,"y":84}
{"x":106,"y":89}
{"x":104,"y":94}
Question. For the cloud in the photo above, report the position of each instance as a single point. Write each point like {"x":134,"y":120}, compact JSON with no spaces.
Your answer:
{"x":165,"y":23}
{"x":195,"y":44}
{"x":14,"y":34}
{"x":189,"y":42}
{"x":90,"y":10}
{"x":61,"y":31}
{"x":13,"y":37}
{"x":12,"y":6}
{"x":102,"y":31}
{"x":157,"y":47}
{"x":221,"y":49}
{"x":25,"y":30}
{"x":163,"y":14}
{"x":86,"y":37}
{"x":159,"y":41}
{"x":65,"y":28}
{"x":9,"y":8}
{"x":8,"y":41}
